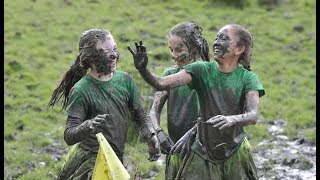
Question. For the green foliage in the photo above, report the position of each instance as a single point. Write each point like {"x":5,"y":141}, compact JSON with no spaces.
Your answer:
{"x":41,"y":41}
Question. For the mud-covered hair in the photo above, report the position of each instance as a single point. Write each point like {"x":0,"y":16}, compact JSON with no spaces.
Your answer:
{"x":80,"y":66}
{"x":191,"y":34}
{"x":244,"y":38}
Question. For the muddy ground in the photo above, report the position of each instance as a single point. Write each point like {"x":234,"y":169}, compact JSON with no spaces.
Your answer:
{"x":276,"y":158}
{"x":280,"y":158}
{"x":284,"y":158}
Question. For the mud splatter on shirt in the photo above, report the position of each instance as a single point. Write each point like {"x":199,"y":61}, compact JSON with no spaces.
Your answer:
{"x":90,"y":97}
{"x":183,"y":108}
{"x":220,"y":94}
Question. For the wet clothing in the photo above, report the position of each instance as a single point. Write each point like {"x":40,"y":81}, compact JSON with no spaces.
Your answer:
{"x":119,"y":98}
{"x":183,"y":108}
{"x":79,"y":164}
{"x":240,"y":166}
{"x":219,"y":94}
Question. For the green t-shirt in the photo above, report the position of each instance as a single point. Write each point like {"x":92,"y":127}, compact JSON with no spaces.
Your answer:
{"x":183,"y":108}
{"x":117,"y":97}
{"x":220,"y":94}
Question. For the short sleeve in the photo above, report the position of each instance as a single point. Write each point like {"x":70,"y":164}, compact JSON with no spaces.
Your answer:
{"x":77,"y":104}
{"x":253,"y":83}
{"x":196,"y":70}
{"x":135,"y":99}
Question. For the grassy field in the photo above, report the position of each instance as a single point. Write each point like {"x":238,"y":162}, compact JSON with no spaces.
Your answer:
{"x":41,"y":40}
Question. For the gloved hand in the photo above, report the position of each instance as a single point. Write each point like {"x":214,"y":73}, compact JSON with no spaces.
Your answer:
{"x":165,"y":141}
{"x":154,"y":148}
{"x":140,"y":57}
{"x":76,"y":130}
{"x":97,"y":123}
{"x":183,"y":145}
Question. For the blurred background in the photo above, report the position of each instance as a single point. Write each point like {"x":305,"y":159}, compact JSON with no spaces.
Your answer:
{"x":41,"y":41}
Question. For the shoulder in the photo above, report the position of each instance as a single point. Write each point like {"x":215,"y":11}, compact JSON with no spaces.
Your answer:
{"x":122,"y":74}
{"x":82,"y":84}
{"x":199,"y":66}
{"x":171,"y":70}
{"x":248,"y":74}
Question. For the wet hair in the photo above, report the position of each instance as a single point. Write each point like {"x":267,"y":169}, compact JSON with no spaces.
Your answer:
{"x":87,"y":55}
{"x":244,"y":38}
{"x":191,"y":34}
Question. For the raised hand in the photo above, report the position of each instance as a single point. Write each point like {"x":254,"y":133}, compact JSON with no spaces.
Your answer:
{"x":140,"y":57}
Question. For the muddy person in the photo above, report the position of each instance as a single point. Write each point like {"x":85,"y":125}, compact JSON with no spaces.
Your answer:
{"x":186,"y":44}
{"x":99,"y":98}
{"x":217,"y":147}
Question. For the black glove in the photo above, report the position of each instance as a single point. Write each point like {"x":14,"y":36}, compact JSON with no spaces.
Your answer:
{"x":140,"y":57}
{"x":165,"y":142}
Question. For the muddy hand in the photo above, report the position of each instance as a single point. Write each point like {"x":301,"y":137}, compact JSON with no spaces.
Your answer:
{"x":98,"y":122}
{"x":183,"y":145}
{"x":165,"y":142}
{"x":154,"y":149}
{"x":221,"y":121}
{"x":140,"y":57}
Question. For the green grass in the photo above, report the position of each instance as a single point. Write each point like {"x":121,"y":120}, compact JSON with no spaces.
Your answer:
{"x":41,"y":41}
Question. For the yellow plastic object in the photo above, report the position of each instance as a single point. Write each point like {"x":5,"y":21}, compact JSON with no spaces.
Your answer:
{"x":108,"y":166}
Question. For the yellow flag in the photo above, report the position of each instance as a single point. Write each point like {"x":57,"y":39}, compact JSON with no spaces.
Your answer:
{"x":108,"y":166}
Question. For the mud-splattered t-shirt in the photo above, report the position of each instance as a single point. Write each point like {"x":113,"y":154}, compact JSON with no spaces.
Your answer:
{"x":117,"y":97}
{"x":220,"y":94}
{"x":183,"y":108}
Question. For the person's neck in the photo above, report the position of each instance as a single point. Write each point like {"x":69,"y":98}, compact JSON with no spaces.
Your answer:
{"x":101,"y":76}
{"x":227,"y":66}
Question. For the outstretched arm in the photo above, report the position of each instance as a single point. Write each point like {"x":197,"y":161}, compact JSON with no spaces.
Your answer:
{"x":159,"y":100}
{"x":140,"y":58}
{"x":250,"y":116}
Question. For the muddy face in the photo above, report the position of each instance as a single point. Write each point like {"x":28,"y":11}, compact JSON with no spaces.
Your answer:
{"x":106,"y":59}
{"x":179,"y":50}
{"x":222,"y":43}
